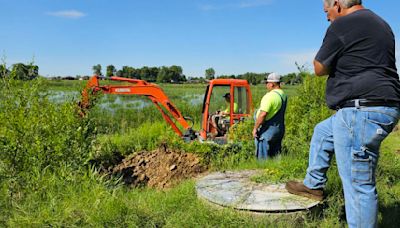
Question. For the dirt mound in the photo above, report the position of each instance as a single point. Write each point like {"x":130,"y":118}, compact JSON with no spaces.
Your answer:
{"x":159,"y":169}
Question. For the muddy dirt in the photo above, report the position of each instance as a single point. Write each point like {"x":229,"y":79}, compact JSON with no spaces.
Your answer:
{"x":158,"y":169}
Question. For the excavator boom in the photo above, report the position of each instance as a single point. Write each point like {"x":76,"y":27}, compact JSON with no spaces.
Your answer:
{"x":143,"y":88}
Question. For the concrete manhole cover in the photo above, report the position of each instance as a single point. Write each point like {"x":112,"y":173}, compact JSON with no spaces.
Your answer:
{"x":236,"y":190}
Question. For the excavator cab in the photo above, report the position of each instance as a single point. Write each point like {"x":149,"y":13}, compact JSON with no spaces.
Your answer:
{"x":226,"y":102}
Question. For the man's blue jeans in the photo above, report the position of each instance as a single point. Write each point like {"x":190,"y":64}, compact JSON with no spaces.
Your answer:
{"x":354,"y":135}
{"x":269,"y":143}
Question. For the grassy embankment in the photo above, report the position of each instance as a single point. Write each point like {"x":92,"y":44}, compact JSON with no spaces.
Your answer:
{"x":60,"y":190}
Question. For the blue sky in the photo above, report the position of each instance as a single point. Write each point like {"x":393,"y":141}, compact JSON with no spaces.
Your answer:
{"x":68,"y":37}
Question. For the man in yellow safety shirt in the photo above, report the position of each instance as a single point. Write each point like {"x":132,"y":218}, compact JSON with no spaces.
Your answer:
{"x":269,"y":127}
{"x":226,"y":112}
{"x":224,"y":115}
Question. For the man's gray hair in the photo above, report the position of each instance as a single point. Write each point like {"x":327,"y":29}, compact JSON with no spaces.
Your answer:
{"x":345,"y":3}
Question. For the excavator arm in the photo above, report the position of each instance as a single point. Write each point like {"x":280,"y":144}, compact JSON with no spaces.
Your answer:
{"x":143,"y":88}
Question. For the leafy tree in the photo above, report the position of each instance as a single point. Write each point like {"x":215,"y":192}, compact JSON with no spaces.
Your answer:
{"x":153,"y":74}
{"x":148,"y":73}
{"x":110,"y":70}
{"x":21,"y":71}
{"x":253,"y":78}
{"x":177,"y":74}
{"x":97,"y":70}
{"x":130,"y":72}
{"x":145,"y":73}
{"x":171,"y":74}
{"x":292,"y":78}
{"x":210,"y":73}
{"x":126,"y":71}
{"x":119,"y":73}
{"x":163,"y":75}
{"x":176,"y":69}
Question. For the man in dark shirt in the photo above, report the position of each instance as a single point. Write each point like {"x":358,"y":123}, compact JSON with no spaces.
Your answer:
{"x":358,"y":54}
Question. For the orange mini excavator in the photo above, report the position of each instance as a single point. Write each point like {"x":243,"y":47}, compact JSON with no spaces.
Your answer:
{"x":239,"y":106}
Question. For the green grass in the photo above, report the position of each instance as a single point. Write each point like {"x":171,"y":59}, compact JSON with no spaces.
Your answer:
{"x":92,"y":201}
{"x":87,"y":202}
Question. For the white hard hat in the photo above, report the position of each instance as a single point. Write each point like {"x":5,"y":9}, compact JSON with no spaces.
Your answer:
{"x":273,"y":77}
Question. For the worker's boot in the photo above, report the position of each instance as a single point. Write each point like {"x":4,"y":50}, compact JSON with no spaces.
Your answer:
{"x":298,"y":188}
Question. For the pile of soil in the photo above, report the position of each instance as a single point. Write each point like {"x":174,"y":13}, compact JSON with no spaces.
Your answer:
{"x":161,"y":168}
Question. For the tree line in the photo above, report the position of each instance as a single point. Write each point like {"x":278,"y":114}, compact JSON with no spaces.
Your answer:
{"x":162,"y":74}
{"x":257,"y":78}
{"x":173,"y":74}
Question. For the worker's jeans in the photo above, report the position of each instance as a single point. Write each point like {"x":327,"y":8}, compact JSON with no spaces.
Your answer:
{"x":354,"y":135}
{"x":269,"y":143}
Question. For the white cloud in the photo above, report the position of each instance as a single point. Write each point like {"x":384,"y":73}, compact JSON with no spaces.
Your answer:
{"x":71,"y":14}
{"x":236,"y":5}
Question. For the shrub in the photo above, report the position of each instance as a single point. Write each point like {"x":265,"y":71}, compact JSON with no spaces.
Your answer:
{"x":304,"y":111}
{"x":37,"y":134}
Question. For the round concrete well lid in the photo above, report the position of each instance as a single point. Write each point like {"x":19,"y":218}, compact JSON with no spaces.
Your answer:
{"x":236,"y":190}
